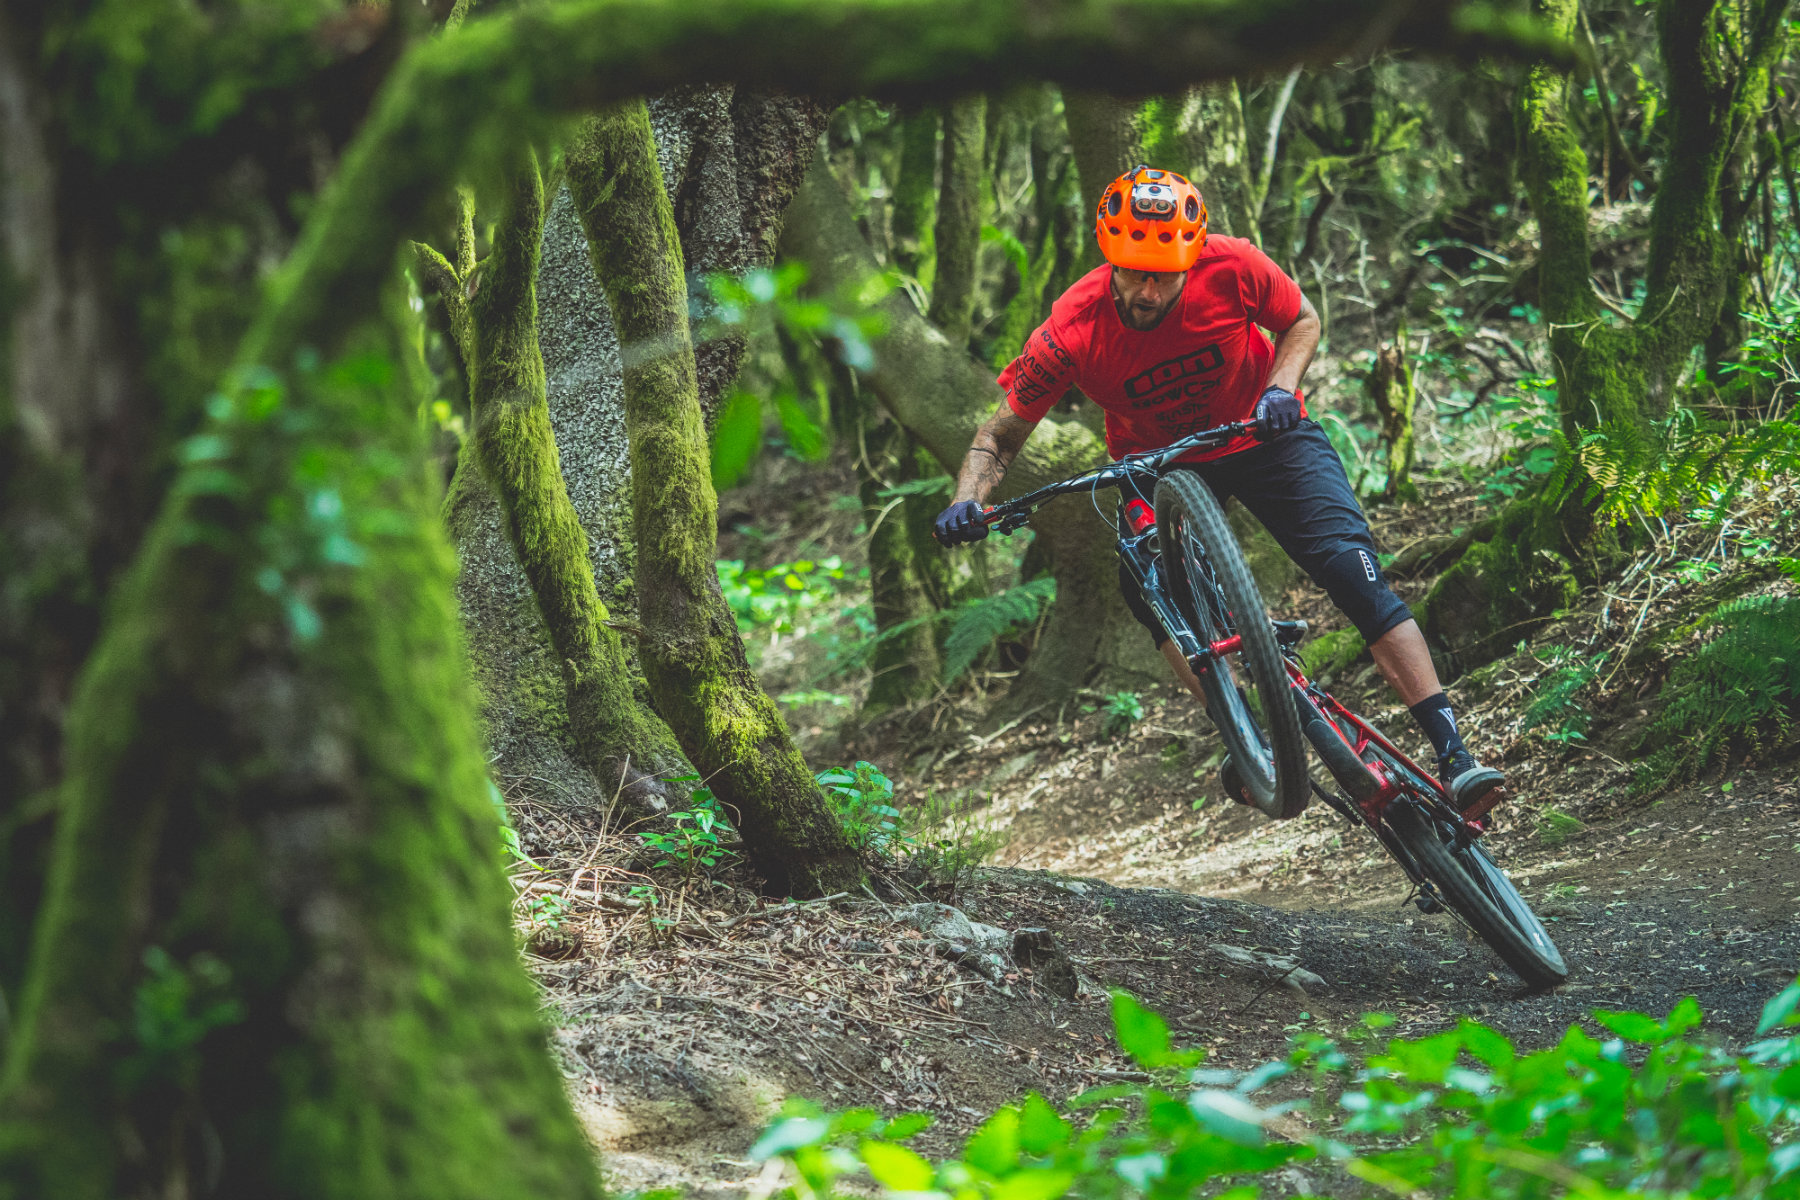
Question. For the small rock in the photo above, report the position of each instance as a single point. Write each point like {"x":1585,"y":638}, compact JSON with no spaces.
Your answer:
{"x":1038,"y":949}
{"x":546,"y":942}
{"x":1293,"y":977}
{"x":947,"y":924}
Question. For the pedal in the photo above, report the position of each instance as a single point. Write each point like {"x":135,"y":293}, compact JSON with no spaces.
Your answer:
{"x":1288,"y":633}
{"x":1476,"y":811}
{"x":1427,"y":904}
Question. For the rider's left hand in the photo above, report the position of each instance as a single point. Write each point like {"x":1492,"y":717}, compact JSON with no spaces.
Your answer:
{"x":1277,"y":412}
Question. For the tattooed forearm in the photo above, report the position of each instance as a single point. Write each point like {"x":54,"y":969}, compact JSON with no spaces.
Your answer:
{"x":996,"y":444}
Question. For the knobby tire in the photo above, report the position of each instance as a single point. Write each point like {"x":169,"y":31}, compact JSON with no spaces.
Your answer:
{"x":1185,"y":507}
{"x":1496,"y":911}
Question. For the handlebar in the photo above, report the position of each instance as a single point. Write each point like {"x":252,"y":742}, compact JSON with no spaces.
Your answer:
{"x":1014,"y":513}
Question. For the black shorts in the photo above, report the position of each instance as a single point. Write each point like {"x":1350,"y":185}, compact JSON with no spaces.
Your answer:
{"x":1296,"y":486}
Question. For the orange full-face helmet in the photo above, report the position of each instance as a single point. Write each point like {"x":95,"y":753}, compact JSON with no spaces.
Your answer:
{"x":1151,"y":220}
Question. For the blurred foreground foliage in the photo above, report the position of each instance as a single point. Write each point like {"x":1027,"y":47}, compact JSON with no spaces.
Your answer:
{"x":1651,"y":1108}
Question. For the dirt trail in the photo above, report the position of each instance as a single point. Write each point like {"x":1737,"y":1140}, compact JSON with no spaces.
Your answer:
{"x":679,"y":1047}
{"x":1694,"y":893}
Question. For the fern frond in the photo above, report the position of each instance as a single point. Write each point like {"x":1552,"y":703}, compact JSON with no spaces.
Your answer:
{"x":978,"y":624}
{"x":1679,"y":461}
{"x":1737,"y":689}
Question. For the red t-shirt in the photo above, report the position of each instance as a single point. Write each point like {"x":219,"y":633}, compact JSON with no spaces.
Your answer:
{"x":1203,"y":365}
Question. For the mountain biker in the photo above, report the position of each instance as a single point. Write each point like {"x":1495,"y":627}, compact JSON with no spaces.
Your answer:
{"x":1161,"y":337}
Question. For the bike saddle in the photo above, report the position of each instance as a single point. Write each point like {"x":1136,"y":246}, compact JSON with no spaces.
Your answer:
{"x":1288,"y":633}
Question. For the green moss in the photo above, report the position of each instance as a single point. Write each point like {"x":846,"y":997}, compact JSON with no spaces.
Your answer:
{"x":1493,"y":595}
{"x":958,"y":234}
{"x":915,"y":195}
{"x":276,"y":793}
{"x":693,"y":656}
{"x":620,"y":742}
{"x":1330,"y":653}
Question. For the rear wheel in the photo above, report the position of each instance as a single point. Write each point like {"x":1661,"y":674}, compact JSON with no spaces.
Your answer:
{"x":1470,"y":883}
{"x":1246,"y":692}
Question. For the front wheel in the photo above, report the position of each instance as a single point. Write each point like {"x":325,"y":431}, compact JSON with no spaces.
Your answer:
{"x":1246,"y":692}
{"x":1478,"y":891}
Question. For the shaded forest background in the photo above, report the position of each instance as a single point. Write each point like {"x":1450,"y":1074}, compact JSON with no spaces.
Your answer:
{"x":373,"y":375}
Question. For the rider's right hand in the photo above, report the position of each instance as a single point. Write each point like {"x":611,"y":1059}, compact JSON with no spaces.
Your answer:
{"x":1276,"y":412}
{"x":961,"y":522}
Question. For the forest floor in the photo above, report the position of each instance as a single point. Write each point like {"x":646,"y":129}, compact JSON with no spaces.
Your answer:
{"x":682,"y":1024}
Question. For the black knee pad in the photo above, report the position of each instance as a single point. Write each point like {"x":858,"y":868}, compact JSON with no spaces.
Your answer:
{"x":1352,"y":578}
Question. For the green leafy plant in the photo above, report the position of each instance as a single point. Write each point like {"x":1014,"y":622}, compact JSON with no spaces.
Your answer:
{"x":691,"y":843}
{"x":946,"y":841}
{"x":549,"y":911}
{"x":693,"y":839}
{"x":778,"y":598}
{"x":978,"y":624}
{"x":173,"y":1008}
{"x":1530,"y":418}
{"x":862,"y":798}
{"x":1644,"y":1111}
{"x":1740,"y":687}
{"x":770,"y":296}
{"x":1684,"y":460}
{"x":1120,"y":712}
{"x":511,"y":853}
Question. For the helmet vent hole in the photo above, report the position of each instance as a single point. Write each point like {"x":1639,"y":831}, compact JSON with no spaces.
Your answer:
{"x":1193,"y":209}
{"x":1137,"y":235}
{"x":1114,"y":203}
{"x":1187,"y":236}
{"x":1165,"y":236}
{"x":1113,"y":229}
{"x":1154,"y":174}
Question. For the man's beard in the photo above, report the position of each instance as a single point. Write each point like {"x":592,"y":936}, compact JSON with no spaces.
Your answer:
{"x":1143,"y":317}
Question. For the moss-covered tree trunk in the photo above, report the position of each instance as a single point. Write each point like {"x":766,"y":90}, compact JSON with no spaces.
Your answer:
{"x":693,"y":655}
{"x":1389,"y":385}
{"x":915,"y":194}
{"x":904,"y":665}
{"x":1056,"y":258}
{"x":629,"y":750}
{"x":275,"y":956}
{"x":1107,"y":139}
{"x":732,"y":157}
{"x":958,"y":230}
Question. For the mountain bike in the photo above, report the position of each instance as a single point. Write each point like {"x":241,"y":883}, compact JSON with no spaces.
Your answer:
{"x":1179,"y":550}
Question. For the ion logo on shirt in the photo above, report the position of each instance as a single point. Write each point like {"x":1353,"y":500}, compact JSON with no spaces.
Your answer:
{"x":1155,"y":385}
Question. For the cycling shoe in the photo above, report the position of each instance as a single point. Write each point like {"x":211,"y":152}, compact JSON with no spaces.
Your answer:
{"x":1473,"y":788}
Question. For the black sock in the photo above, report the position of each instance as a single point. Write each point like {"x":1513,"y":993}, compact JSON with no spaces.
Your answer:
{"x":1439,"y":723}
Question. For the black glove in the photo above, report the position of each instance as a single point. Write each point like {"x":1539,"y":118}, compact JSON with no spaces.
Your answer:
{"x":1277,"y":412}
{"x":960,"y":523}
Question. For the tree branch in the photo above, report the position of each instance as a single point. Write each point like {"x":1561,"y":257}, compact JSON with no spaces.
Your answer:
{"x":457,"y":102}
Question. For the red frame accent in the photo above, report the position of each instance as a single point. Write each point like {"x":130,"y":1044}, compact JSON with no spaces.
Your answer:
{"x":1366,"y":735}
{"x":1230,"y":645}
{"x":1141,"y":515}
